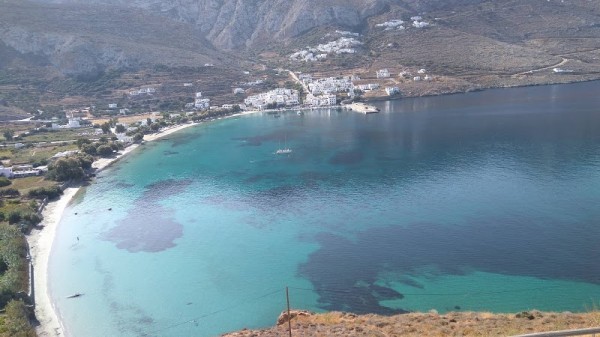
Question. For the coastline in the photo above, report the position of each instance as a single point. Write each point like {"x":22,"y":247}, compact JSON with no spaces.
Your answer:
{"x":40,"y":244}
{"x":41,"y":240}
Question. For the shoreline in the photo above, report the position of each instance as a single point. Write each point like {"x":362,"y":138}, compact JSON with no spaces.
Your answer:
{"x":40,"y":244}
{"x":41,"y":239}
{"x":54,"y":327}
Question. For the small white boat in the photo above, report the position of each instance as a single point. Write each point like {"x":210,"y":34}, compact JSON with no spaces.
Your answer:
{"x":284,"y":151}
{"x":300,"y":113}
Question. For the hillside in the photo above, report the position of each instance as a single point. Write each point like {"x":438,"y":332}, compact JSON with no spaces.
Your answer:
{"x":57,"y":53}
{"x":425,"y":324}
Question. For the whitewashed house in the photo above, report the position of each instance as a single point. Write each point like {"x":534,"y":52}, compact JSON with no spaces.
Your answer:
{"x":383,"y":73}
{"x":391,"y":91}
{"x":73,"y":123}
{"x":202,"y":103}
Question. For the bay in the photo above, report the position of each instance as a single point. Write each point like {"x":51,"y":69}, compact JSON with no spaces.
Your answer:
{"x":479,"y":201}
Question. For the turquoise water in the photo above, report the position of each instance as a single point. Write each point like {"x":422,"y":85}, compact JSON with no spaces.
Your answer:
{"x":482,"y":201}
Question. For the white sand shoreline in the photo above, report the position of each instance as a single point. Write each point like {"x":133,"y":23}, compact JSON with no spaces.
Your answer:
{"x":41,"y":240}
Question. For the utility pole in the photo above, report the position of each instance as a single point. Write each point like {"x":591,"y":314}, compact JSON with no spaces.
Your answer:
{"x":287,"y":297}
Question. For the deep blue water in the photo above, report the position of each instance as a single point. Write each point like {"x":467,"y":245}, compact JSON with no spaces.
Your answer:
{"x":479,"y":201}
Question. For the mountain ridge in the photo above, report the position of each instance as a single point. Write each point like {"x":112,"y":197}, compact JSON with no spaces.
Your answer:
{"x":464,"y":44}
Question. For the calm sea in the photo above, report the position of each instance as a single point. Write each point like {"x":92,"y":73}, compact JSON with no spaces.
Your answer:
{"x":480,"y":201}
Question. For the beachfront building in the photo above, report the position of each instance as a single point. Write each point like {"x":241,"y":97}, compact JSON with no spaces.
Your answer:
{"x":321,"y":100}
{"x":279,"y":97}
{"x":20,"y":171}
{"x":391,"y":91}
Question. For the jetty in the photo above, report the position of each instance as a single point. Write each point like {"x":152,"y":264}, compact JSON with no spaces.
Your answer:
{"x":362,"y":108}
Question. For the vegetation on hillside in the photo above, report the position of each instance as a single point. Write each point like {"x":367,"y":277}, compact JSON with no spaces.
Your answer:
{"x":13,"y":283}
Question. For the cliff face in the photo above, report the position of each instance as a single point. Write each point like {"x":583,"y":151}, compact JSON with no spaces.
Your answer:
{"x":86,"y":37}
{"x":233,"y":24}
{"x":84,"y":40}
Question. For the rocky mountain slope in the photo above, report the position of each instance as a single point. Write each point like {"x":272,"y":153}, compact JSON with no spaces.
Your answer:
{"x":234,"y":24}
{"x":86,"y":39}
{"x":463,"y":44}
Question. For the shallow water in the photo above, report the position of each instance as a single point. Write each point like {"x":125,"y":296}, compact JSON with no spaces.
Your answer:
{"x":481,"y":201}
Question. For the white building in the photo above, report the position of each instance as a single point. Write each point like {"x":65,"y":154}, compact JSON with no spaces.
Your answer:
{"x":279,"y":96}
{"x":367,"y":87}
{"x":422,"y":71}
{"x":122,"y":137}
{"x":237,"y":91}
{"x":417,"y":78}
{"x":391,"y":91}
{"x":73,"y":123}
{"x":328,"y":85}
{"x":202,"y":103}
{"x":321,"y":100}
{"x":6,"y":171}
{"x":199,"y":94}
{"x":112,"y":106}
{"x":383,"y":73}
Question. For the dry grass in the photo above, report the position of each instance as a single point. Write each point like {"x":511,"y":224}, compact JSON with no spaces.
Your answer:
{"x":482,"y":324}
{"x":124,"y":119}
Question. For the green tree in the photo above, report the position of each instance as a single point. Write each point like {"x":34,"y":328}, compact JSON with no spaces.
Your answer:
{"x":105,"y":127}
{"x":8,"y":134}
{"x":138,"y":137}
{"x":14,"y":217}
{"x":83,"y":141}
{"x":66,"y":169}
{"x":120,"y":128}
{"x":52,"y":192}
{"x":10,"y":192}
{"x":85,"y":161}
{"x":16,"y":322}
{"x":104,"y":150}
{"x":4,"y":181}
{"x":89,"y":149}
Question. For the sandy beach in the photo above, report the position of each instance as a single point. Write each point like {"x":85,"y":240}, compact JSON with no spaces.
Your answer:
{"x":40,"y":241}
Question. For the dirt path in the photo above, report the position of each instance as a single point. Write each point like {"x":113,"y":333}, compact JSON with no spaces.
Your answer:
{"x":563,"y":62}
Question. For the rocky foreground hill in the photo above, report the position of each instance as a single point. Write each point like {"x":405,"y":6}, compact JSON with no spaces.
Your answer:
{"x":424,"y":324}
